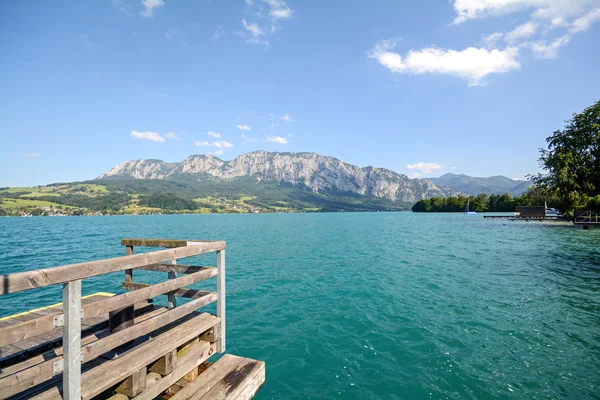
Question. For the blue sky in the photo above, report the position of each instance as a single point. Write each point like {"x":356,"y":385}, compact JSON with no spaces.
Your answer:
{"x":421,"y":87}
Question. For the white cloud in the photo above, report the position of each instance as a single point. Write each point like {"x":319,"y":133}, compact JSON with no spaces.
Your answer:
{"x":491,"y":41}
{"x":172,"y":34}
{"x":150,"y":6}
{"x":277,"y":139}
{"x":248,"y":138}
{"x":215,"y":135}
{"x":425,"y":167}
{"x":219,"y":152}
{"x":244,"y":127}
{"x":287,"y":118}
{"x":219,"y":33}
{"x":526,"y":30}
{"x":222,"y":143}
{"x":583,"y":23}
{"x":253,"y":28}
{"x":278,"y":9}
{"x":542,"y":9}
{"x":173,"y":136}
{"x":544,"y":49}
{"x":152,"y":136}
{"x":472,"y":63}
{"x":32,"y":155}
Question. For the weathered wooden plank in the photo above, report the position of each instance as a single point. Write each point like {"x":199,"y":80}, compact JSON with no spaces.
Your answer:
{"x":178,"y":268}
{"x":72,"y":340}
{"x":168,"y":243}
{"x":52,"y":356}
{"x":206,"y":380}
{"x":20,"y":331}
{"x":196,"y":355}
{"x":183,"y":292}
{"x":240,"y":383}
{"x":116,"y":339}
{"x":20,"y":281}
{"x":133,"y":385}
{"x":27,"y":329}
{"x":221,"y":298}
{"x":111,"y":372}
{"x":35,"y":370}
{"x":125,"y":299}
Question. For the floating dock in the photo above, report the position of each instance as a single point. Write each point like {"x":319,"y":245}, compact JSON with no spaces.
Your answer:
{"x":121,"y":347}
{"x":527,"y":219}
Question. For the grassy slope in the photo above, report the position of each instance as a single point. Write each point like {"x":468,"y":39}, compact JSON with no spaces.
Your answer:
{"x":238,"y":195}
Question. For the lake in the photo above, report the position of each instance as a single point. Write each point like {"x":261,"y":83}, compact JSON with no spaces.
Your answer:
{"x":371,"y":305}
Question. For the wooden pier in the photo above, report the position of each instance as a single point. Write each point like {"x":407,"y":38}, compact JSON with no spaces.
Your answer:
{"x":526,"y":219}
{"x":588,"y":219}
{"x":122,"y":347}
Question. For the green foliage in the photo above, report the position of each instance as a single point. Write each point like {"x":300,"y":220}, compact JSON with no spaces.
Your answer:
{"x":168,"y":201}
{"x":594,"y":203}
{"x":480,"y":203}
{"x":572,"y":160}
{"x":97,"y":203}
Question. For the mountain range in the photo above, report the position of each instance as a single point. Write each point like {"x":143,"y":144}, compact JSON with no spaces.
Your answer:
{"x":305,"y":171}
{"x":255,"y":182}
{"x":491,"y":185}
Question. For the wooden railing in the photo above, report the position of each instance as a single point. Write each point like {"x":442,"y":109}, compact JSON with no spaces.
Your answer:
{"x":119,"y":307}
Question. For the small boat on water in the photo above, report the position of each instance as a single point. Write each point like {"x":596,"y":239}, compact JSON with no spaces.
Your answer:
{"x":467,"y":212}
{"x":551,"y":212}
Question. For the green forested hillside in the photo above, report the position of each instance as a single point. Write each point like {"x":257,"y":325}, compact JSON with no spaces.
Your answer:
{"x":185,"y":194}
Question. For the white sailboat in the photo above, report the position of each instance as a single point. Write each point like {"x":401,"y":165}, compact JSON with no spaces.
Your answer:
{"x":467,"y":212}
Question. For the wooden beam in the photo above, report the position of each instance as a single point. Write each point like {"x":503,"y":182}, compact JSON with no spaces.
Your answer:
{"x":221,"y":298}
{"x":71,"y":341}
{"x":178,"y":268}
{"x":30,"y":377}
{"x":215,"y":373}
{"x":171,"y":300}
{"x":133,"y":385}
{"x":111,"y":372}
{"x":168,"y":243}
{"x":196,"y":355}
{"x":183,"y":292}
{"x":54,"y":353}
{"x":231,"y":377}
{"x":21,"y":281}
{"x":213,"y":334}
{"x":116,"y":339}
{"x":27,"y":329}
{"x":164,"y":365}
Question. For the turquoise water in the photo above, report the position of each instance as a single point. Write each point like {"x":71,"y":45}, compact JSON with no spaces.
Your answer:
{"x":372,"y":305}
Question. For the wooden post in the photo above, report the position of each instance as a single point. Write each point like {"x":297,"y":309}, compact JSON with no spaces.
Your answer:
{"x":72,"y":340}
{"x":221,"y":298}
{"x":123,"y":318}
{"x":128,"y":272}
{"x":172,"y":302}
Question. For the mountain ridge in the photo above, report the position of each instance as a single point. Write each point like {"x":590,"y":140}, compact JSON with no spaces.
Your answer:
{"x":497,"y":184}
{"x":316,"y":172}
